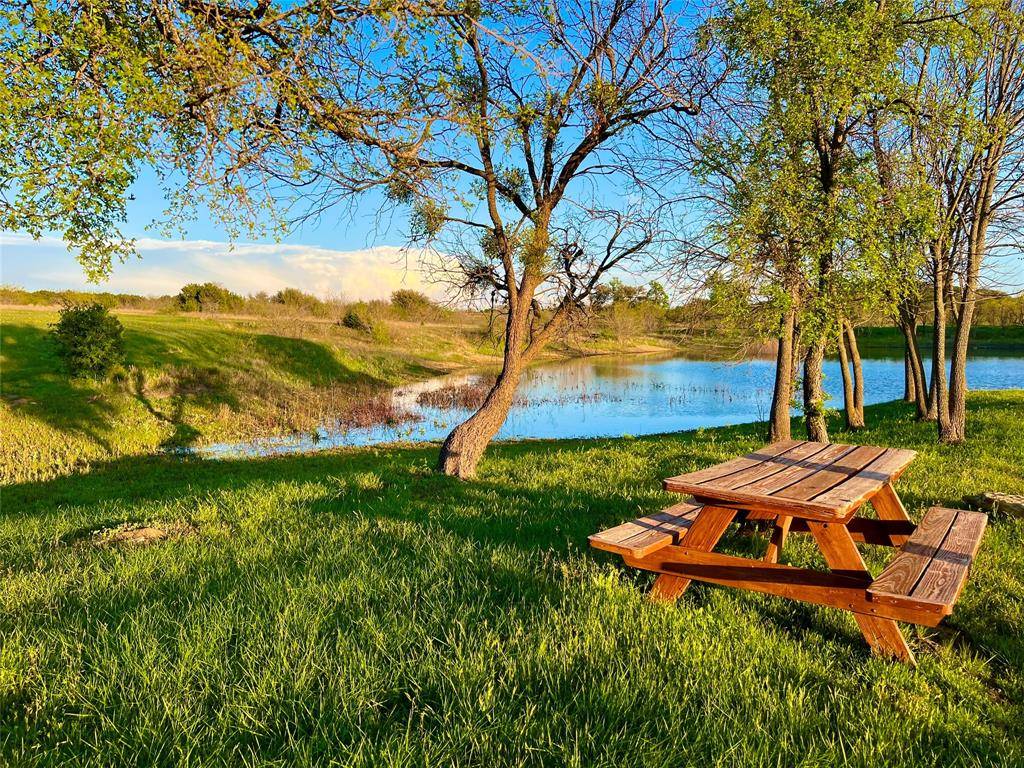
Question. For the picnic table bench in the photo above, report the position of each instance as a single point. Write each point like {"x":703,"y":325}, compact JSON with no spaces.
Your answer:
{"x":799,"y":486}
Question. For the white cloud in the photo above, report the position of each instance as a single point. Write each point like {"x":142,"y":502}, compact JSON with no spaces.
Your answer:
{"x":166,"y":265}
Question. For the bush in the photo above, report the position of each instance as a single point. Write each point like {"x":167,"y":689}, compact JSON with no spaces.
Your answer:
{"x":89,"y":339}
{"x":412,"y":303}
{"x":208,"y":297}
{"x":299,"y":301}
{"x":357,"y":321}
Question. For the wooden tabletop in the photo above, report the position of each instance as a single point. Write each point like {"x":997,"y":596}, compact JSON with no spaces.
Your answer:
{"x":816,"y":481}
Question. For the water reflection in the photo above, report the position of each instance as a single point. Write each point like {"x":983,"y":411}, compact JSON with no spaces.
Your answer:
{"x":615,"y":396}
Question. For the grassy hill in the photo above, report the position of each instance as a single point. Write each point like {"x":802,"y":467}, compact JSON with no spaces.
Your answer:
{"x":194,"y":380}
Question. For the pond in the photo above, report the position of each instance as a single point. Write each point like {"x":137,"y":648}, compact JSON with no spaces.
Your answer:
{"x":611,"y":397}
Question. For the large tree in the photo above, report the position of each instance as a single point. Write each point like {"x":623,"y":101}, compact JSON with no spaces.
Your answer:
{"x":801,"y":216}
{"x":515,"y":135}
{"x":969,"y":143}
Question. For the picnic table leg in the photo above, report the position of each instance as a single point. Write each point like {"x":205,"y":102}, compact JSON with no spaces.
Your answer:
{"x":883,"y":635}
{"x":703,"y":535}
{"x":889,"y":507}
{"x":778,"y":540}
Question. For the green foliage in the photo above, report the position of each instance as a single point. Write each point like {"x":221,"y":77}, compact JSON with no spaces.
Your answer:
{"x":413,"y":304}
{"x":208,"y":297}
{"x":808,"y":216}
{"x":427,"y":219}
{"x":300,"y":301}
{"x":89,"y":339}
{"x":358,"y":319}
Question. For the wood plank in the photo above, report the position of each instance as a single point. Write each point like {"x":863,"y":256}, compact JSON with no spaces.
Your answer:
{"x":828,"y":477}
{"x":804,"y":584}
{"x":765,"y":507}
{"x":757,"y":496}
{"x":772,"y":466}
{"x":946,"y":575}
{"x":703,"y":535}
{"x":850,"y":494}
{"x":864,"y":530}
{"x":842,"y":556}
{"x":778,"y":539}
{"x":889,"y":507}
{"x":736,"y":465}
{"x":793,"y":474}
{"x":901,"y":575}
{"x":647,"y":534}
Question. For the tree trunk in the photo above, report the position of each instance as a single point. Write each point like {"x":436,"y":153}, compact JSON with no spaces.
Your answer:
{"x":465,"y":445}
{"x":909,"y":382}
{"x":853,"y":377}
{"x":908,"y":324}
{"x":939,"y":404}
{"x":463,"y":448}
{"x":782,"y":395}
{"x":955,"y":428}
{"x":849,"y":409}
{"x":858,"y":373}
{"x":814,"y":396}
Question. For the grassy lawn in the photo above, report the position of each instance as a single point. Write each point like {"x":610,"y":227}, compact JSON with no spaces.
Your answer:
{"x":355,"y":608}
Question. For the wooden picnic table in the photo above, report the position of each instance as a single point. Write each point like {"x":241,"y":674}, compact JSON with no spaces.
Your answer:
{"x":799,"y":486}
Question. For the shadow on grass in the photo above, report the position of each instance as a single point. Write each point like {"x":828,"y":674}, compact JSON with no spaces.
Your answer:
{"x":35,"y":383}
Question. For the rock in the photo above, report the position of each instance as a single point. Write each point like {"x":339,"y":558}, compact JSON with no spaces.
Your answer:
{"x":997,"y":503}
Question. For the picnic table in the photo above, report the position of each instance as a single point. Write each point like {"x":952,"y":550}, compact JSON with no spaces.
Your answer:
{"x":799,"y":486}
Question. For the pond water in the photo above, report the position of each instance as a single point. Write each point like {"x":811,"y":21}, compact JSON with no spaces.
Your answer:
{"x":616,"y":396}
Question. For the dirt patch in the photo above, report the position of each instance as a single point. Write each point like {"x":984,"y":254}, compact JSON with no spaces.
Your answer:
{"x":128,"y":534}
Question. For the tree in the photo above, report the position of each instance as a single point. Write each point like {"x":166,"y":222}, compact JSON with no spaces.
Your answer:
{"x":75,"y":125}
{"x":802,"y":219}
{"x":965,"y":139}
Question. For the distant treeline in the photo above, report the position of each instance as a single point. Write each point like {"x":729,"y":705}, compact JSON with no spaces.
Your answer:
{"x":621,"y":310}
{"x":213,"y":298}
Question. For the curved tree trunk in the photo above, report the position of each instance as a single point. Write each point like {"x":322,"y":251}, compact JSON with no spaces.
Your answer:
{"x":814,"y":395}
{"x":782,"y":394}
{"x":465,"y":445}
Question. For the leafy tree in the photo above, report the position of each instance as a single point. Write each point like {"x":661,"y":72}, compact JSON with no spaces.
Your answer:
{"x":89,"y":339}
{"x":510,"y":133}
{"x":966,"y":139}
{"x":798,"y":214}
{"x":76,"y":126}
{"x":413,"y":303}
{"x":207,"y":297}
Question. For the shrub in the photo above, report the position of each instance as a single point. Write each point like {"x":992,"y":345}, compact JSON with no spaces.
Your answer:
{"x":357,"y":320}
{"x":412,"y":303}
{"x":300,"y":301}
{"x":207,"y":297}
{"x":89,"y":339}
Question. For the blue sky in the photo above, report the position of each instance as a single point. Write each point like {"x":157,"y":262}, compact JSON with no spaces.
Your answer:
{"x":352,"y":255}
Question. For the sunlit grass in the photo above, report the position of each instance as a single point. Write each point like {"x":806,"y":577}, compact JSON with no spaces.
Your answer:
{"x":355,"y":608}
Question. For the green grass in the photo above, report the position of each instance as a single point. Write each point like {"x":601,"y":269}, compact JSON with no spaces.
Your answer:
{"x":985,"y":339}
{"x":354,"y":608}
{"x":197,"y":380}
